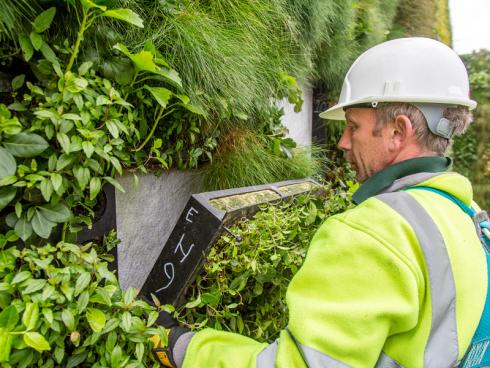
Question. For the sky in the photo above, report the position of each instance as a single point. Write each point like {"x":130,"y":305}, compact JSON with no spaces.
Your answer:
{"x":470,"y":20}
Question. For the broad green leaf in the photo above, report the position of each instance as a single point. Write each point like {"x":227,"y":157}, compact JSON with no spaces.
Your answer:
{"x":57,"y":213}
{"x":103,"y":100}
{"x":21,"y":276}
{"x":85,"y":67}
{"x":18,"y":81}
{"x":89,"y":4}
{"x":34,"y":285}
{"x":49,"y":54}
{"x":116,"y":356}
{"x":8,"y":166}
{"x":9,"y":318}
{"x":112,"y":127}
{"x":126,"y":15}
{"x":140,"y":351}
{"x":26,"y":46}
{"x":115,"y":183}
{"x":95,"y":186}
{"x":82,"y":174}
{"x":64,"y":141}
{"x":68,"y":319}
{"x":37,"y":341}
{"x":8,"y":180}
{"x":43,"y":20}
{"x":142,"y":60}
{"x":162,"y":95}
{"x":56,"y":180}
{"x":88,"y":148}
{"x":58,"y":354}
{"x":26,"y":145}
{"x":41,"y":225}
{"x":6,"y":339}
{"x":82,"y":282}
{"x":96,"y":319}
{"x":82,"y":301}
{"x":46,"y":189}
{"x":23,"y":228}
{"x":64,"y":160}
{"x":30,"y":316}
{"x":36,"y":40}
{"x":6,"y":196}
{"x":193,"y":108}
{"x":126,"y":321}
{"x":117,"y":165}
{"x":171,"y":75}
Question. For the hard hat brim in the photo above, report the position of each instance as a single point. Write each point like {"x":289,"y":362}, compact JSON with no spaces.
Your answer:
{"x":337,"y":112}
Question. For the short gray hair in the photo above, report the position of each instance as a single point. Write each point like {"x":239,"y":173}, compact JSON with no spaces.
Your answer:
{"x":459,"y":116}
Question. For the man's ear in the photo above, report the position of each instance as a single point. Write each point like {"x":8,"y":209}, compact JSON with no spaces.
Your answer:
{"x":401,"y":131}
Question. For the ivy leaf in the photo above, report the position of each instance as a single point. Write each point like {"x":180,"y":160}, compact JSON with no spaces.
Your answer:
{"x":126,"y":15}
{"x":57,"y":213}
{"x":96,"y":319}
{"x":37,"y":341}
{"x":8,"y":166}
{"x":6,"y":196}
{"x":30,"y":316}
{"x":43,"y":20}
{"x":41,"y":225}
{"x":9,"y":318}
{"x":161,"y":95}
{"x":23,"y":228}
{"x":26,"y":46}
{"x":26,"y":145}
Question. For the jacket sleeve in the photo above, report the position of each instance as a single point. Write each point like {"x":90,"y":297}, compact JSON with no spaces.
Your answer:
{"x":353,"y":291}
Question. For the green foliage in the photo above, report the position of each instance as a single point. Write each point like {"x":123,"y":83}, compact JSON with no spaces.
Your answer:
{"x":243,"y":285}
{"x":13,"y":14}
{"x":61,"y":306}
{"x":429,"y":18}
{"x":244,"y":158}
{"x":471,"y":151}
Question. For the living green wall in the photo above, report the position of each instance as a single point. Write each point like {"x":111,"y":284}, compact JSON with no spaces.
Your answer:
{"x":471,"y":151}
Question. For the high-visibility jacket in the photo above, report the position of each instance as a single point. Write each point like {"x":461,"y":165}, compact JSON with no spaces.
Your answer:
{"x":398,"y":281}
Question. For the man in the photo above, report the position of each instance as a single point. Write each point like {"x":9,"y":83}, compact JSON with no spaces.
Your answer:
{"x":400,"y":280}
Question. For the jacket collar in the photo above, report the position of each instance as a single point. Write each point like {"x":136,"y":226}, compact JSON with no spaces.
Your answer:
{"x":418,"y":169}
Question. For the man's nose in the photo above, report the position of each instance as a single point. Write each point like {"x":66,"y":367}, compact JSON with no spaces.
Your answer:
{"x":345,"y":141}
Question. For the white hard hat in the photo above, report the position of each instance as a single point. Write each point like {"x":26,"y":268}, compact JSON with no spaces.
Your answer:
{"x":416,"y":70}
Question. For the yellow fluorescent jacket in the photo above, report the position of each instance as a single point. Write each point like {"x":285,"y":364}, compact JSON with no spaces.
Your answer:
{"x":398,"y":281}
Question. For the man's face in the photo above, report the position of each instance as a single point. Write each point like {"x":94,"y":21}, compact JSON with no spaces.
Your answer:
{"x":368,"y":153}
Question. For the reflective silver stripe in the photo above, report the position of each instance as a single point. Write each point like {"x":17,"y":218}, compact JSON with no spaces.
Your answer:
{"x":267,"y":357}
{"x":410,"y":180}
{"x":385,"y":361}
{"x":317,"y":359}
{"x":314,"y":358}
{"x":442,"y":346}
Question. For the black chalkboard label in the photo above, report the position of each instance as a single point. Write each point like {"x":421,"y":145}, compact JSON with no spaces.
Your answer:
{"x":183,"y":254}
